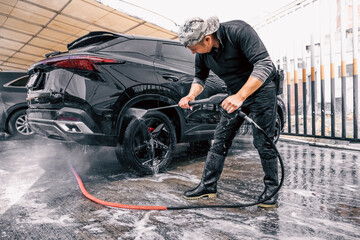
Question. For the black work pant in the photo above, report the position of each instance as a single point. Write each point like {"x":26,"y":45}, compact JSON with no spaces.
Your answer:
{"x":262,"y":107}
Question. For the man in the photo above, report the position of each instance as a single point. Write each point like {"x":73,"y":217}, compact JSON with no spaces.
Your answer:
{"x":234,"y":52}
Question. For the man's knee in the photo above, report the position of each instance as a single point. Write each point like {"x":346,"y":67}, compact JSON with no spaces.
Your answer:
{"x":264,"y":147}
{"x":219,"y":147}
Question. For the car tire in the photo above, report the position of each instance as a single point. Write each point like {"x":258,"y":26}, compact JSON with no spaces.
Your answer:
{"x":18,"y":126}
{"x":148,"y":144}
{"x":278,"y":127}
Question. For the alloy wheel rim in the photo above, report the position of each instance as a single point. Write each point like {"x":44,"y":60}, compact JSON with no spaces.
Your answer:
{"x":22,"y":126}
{"x":153,"y":150}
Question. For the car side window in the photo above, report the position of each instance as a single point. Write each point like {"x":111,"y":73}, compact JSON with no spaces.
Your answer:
{"x":140,"y":47}
{"x":20,"y":82}
{"x":177,"y":54}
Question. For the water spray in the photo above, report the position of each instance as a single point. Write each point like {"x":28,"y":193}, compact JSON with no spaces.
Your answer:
{"x":216,"y":99}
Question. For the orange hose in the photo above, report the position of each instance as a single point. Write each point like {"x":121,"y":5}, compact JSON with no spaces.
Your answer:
{"x":111,"y":204}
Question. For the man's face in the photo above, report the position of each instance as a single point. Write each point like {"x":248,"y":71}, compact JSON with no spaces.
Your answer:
{"x":204,"y":46}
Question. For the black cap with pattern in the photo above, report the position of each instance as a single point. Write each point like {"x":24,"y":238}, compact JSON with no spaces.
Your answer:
{"x":195,"y":29}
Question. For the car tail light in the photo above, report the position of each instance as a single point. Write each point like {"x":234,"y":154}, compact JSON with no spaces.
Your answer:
{"x":78,"y":62}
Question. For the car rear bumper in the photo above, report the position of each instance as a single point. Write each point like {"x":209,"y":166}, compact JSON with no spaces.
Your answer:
{"x":79,"y":129}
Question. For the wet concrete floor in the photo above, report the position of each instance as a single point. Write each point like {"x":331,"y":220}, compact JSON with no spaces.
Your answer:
{"x":40,"y":199}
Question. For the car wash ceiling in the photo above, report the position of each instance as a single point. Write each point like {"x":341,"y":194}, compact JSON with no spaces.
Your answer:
{"x":31,"y":28}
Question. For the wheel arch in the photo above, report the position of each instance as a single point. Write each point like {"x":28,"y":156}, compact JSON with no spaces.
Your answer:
{"x":147,"y":97}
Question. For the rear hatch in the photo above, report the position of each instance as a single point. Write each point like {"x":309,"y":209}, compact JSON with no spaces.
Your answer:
{"x":49,"y":78}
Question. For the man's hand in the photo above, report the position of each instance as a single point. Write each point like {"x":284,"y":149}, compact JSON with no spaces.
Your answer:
{"x":184,"y":102}
{"x":195,"y":90}
{"x":232,"y":103}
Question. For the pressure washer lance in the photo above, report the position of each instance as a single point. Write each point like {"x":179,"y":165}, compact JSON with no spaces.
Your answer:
{"x":216,"y":99}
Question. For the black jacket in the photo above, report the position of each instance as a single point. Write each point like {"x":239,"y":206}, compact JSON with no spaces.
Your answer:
{"x":241,"y":53}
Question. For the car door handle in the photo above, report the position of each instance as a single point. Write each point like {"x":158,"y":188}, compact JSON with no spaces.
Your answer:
{"x":170,"y":77}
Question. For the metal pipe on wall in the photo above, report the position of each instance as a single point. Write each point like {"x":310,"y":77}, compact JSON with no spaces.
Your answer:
{"x":288,"y":91}
{"x":322,"y":72}
{"x":304,"y":76}
{"x":313,"y":85}
{"x":296,"y":94}
{"x":332,"y":67}
{"x":343,"y":65}
{"x":355,"y":30}
{"x":313,"y":78}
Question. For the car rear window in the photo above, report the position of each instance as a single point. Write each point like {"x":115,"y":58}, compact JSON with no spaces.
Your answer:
{"x":139,"y":47}
{"x":20,"y":82}
{"x":6,"y":77}
{"x":177,"y":54}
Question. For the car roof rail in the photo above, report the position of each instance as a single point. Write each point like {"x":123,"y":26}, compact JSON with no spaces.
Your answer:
{"x":92,"y":37}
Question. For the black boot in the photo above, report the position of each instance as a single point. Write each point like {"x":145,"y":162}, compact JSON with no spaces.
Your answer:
{"x":271,"y":182}
{"x":207,"y":188}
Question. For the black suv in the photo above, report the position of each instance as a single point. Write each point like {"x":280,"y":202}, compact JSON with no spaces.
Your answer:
{"x":94,"y":93}
{"x":13,"y":104}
